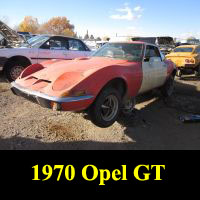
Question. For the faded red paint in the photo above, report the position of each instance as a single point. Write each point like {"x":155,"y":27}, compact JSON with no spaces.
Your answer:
{"x":61,"y":78}
{"x":89,"y":75}
{"x":171,"y":67}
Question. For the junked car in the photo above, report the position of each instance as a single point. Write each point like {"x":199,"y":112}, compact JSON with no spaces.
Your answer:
{"x":8,"y":37}
{"x":187,"y":59}
{"x":102,"y":85}
{"x":39,"y":48}
{"x":165,"y":43}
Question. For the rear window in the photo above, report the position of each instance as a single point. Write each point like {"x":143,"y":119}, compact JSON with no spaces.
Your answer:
{"x":184,"y":50}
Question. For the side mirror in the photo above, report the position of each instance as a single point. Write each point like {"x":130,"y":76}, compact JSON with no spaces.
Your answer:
{"x":146,"y":59}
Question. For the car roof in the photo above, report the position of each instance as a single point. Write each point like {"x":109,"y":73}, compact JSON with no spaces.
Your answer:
{"x":58,"y":36}
{"x":188,"y":46}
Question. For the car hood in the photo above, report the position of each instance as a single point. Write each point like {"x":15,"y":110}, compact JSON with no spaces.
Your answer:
{"x":10,"y":35}
{"x":82,"y":67}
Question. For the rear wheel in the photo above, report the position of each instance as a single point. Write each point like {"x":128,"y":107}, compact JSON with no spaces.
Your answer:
{"x":105,"y":110}
{"x":168,"y":88}
{"x":14,"y":69}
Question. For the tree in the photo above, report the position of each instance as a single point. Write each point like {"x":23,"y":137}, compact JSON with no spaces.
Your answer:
{"x":69,"y":33}
{"x":29,"y":24}
{"x":58,"y":26}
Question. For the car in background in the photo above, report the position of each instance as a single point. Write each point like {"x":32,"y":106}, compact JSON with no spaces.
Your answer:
{"x":25,"y":37}
{"x":99,"y":44}
{"x":177,"y":44}
{"x":37,"y":49}
{"x":166,"y":44}
{"x":8,"y":37}
{"x":102,"y":85}
{"x":186,"y":58}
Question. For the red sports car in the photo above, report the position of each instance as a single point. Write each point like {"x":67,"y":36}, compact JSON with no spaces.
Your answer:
{"x":102,"y":85}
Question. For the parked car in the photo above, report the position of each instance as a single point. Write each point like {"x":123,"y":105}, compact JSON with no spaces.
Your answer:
{"x":181,"y":44}
{"x":101,"y":85}
{"x":25,"y":37}
{"x":99,"y":44}
{"x":166,"y":44}
{"x":8,"y":37}
{"x":40,"y":48}
{"x":187,"y":59}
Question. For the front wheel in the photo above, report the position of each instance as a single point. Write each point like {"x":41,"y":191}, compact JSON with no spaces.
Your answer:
{"x":168,"y":88}
{"x":14,"y":69}
{"x":106,"y":108}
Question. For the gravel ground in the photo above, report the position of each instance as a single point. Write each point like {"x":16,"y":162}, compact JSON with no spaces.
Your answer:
{"x":154,"y":124}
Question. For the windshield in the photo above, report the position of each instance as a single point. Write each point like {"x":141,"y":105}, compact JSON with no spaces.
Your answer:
{"x":121,"y":51}
{"x":183,"y":50}
{"x":36,"y":41}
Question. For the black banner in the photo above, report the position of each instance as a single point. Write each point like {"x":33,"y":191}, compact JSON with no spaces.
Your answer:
{"x":99,"y":170}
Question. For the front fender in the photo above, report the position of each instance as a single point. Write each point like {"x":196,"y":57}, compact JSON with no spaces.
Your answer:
{"x":94,"y":83}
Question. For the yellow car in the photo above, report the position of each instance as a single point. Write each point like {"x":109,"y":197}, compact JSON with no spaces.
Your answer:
{"x":186,"y":59}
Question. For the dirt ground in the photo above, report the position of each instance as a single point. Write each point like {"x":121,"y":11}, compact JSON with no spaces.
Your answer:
{"x":154,"y":125}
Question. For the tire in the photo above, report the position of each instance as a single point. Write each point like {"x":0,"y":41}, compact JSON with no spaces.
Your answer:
{"x":129,"y":107}
{"x":14,"y":68}
{"x":197,"y":71}
{"x":106,"y":108}
{"x":168,"y":88}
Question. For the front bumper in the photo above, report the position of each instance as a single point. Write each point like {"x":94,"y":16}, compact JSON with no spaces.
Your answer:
{"x":187,"y":66}
{"x":51,"y":102}
{"x":3,"y":60}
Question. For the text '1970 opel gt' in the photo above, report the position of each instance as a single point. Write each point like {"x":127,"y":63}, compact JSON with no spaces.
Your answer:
{"x":102,"y":85}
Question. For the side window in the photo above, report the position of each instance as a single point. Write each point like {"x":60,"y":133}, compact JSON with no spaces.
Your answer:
{"x":152,"y":51}
{"x":76,"y":45}
{"x":156,"y":52}
{"x":55,"y":44}
{"x":148,"y":50}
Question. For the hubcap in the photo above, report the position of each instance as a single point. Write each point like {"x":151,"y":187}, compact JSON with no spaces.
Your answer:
{"x":16,"y":71}
{"x":109,"y":108}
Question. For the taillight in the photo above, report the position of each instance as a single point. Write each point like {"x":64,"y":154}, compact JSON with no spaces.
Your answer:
{"x":190,"y":61}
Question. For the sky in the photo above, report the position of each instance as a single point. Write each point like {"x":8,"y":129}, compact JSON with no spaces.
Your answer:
{"x":176,"y":18}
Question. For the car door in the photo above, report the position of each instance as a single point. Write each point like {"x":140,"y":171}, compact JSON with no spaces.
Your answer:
{"x":54,"y":48}
{"x":160,"y":68}
{"x":77,"y":49}
{"x":154,"y":69}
